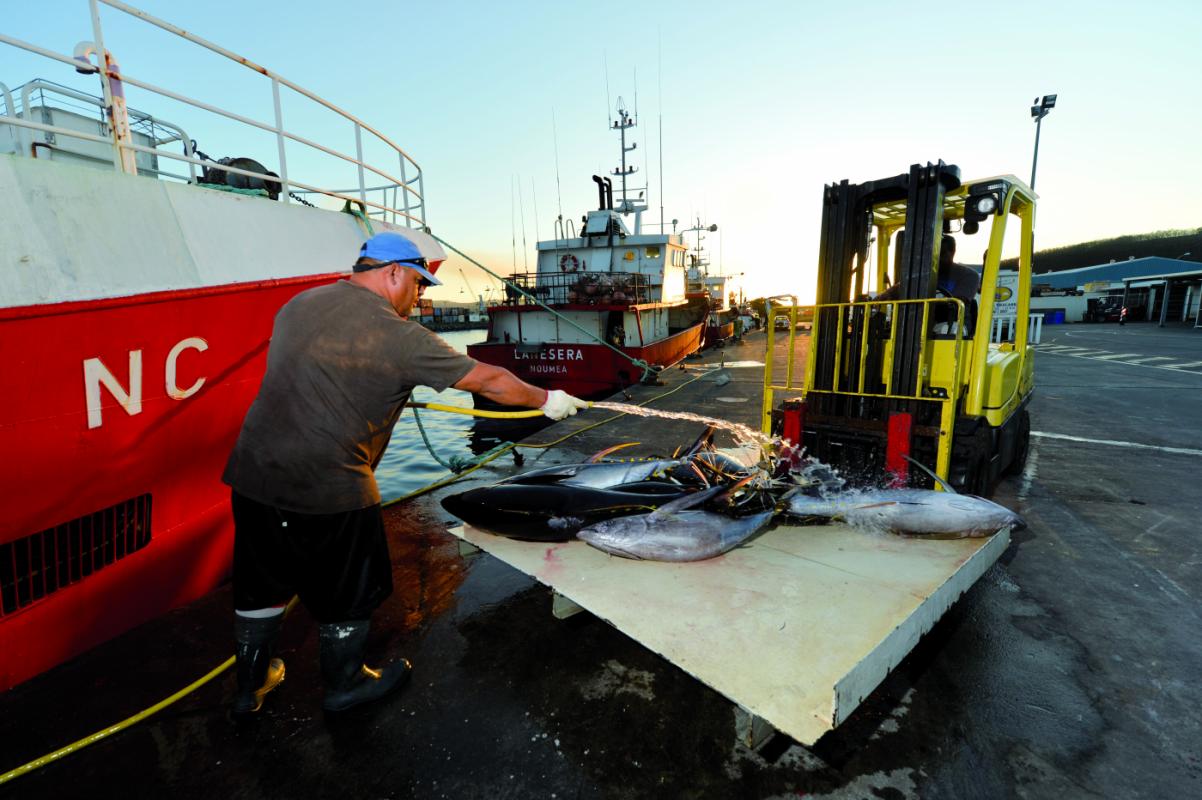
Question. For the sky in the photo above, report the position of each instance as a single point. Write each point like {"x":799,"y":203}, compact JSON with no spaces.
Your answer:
{"x":505,"y":105}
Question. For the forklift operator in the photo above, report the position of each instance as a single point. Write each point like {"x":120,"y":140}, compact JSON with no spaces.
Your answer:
{"x":959,"y":281}
{"x":954,"y":280}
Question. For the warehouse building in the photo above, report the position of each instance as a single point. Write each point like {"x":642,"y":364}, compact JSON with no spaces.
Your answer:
{"x":1162,"y":290}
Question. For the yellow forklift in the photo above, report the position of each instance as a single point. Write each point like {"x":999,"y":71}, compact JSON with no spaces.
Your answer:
{"x":896,"y":368}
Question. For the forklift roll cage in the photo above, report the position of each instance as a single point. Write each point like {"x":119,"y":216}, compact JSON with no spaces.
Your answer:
{"x":875,"y":372}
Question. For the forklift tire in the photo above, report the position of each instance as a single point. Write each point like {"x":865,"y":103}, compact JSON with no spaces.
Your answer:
{"x":1022,"y":444}
{"x":981,"y":481}
{"x":971,"y":461}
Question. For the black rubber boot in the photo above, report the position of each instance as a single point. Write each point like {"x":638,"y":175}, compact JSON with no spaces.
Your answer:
{"x":258,"y":673}
{"x":348,"y":681}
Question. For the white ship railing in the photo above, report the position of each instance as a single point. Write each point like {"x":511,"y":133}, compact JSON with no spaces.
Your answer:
{"x":42,"y":87}
{"x":407,"y":204}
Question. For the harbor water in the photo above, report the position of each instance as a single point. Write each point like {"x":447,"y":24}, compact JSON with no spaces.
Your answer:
{"x":407,"y":464}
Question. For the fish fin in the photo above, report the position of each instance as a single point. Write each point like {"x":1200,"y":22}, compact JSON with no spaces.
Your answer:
{"x":603,"y":453}
{"x":633,"y":508}
{"x":700,"y":474}
{"x":704,"y":439}
{"x":782,"y":505}
{"x":736,"y":486}
{"x":688,"y":501}
{"x":714,"y":469}
{"x":947,"y":487}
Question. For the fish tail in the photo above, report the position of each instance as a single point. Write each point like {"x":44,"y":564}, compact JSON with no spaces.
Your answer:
{"x":704,"y":439}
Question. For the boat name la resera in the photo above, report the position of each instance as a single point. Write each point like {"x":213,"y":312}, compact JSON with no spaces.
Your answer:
{"x":550,"y":354}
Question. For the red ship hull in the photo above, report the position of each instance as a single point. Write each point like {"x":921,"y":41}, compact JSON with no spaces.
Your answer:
{"x":718,"y":333}
{"x":585,"y":370}
{"x":119,"y":417}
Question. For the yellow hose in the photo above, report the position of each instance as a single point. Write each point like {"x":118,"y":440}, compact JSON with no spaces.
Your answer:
{"x":477,"y":412}
{"x":229,"y":662}
{"x":125,"y":723}
{"x":120,"y":726}
{"x":533,"y":446}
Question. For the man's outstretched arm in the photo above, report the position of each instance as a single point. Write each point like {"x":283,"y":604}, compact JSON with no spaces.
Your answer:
{"x":503,"y":387}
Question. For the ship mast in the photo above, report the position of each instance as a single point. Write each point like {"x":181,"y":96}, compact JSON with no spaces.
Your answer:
{"x":623,"y":123}
{"x":701,"y":265}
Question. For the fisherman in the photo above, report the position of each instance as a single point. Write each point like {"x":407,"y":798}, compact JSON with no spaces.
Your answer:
{"x":342,"y":363}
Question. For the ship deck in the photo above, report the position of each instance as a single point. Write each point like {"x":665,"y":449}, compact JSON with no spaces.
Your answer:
{"x":1069,"y":669}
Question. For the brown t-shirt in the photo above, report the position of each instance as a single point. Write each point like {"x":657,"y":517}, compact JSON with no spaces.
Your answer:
{"x":340,"y":368}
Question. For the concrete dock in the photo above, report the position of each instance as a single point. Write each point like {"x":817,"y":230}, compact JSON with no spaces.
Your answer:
{"x":1073,"y":668}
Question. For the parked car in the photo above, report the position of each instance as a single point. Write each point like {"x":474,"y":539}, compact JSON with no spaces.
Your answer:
{"x":1110,"y":309}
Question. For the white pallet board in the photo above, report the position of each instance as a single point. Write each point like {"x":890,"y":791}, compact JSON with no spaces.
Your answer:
{"x":798,"y":626}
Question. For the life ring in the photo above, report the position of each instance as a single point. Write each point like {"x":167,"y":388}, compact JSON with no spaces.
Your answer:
{"x":568,"y":263}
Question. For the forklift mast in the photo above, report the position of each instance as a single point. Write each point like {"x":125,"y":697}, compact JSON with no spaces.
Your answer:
{"x":846,"y":407}
{"x":843,"y":255}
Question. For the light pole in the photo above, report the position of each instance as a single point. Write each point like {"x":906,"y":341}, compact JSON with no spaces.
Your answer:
{"x":1039,"y":110}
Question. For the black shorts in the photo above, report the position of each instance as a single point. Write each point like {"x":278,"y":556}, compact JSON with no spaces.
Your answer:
{"x":337,"y":564}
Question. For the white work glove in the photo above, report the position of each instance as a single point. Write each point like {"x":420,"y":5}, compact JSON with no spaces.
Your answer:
{"x":561,"y":405}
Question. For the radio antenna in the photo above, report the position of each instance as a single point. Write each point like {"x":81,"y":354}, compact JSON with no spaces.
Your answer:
{"x":555,"y":138}
{"x":534,"y":195}
{"x":609,"y":120}
{"x":660,"y":79}
{"x":522,"y":211}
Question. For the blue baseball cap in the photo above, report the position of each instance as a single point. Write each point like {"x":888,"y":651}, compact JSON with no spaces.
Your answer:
{"x":392,"y":248}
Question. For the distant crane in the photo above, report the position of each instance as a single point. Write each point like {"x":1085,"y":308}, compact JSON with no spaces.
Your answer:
{"x":471,"y":293}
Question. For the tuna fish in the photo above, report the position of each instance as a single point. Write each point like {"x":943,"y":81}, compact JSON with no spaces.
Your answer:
{"x":553,"y":512}
{"x":600,"y":475}
{"x":912,"y":512}
{"x":677,"y":531}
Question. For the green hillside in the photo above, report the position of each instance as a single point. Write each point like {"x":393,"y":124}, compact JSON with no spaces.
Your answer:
{"x":1167,"y":244}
